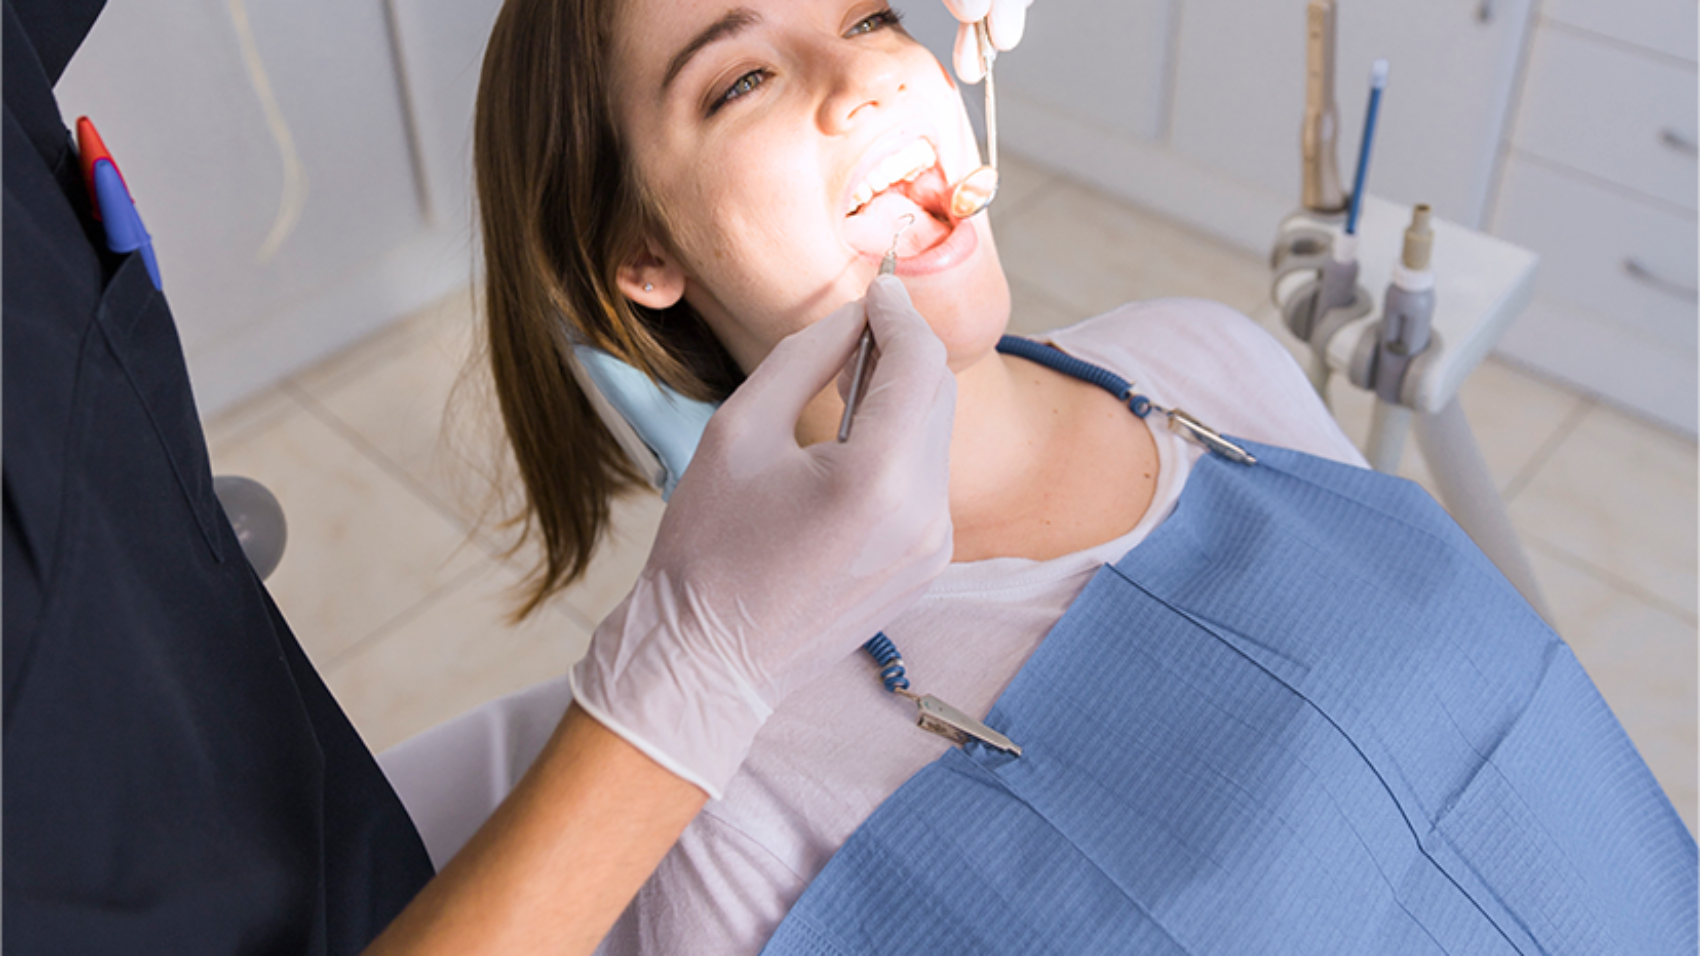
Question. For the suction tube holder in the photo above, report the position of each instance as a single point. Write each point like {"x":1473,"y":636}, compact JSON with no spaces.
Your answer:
{"x":1315,"y":284}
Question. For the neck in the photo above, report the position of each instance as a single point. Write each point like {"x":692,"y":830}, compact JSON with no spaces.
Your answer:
{"x":1012,"y":419}
{"x":1012,"y":423}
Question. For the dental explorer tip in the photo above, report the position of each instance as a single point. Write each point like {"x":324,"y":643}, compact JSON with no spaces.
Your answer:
{"x":888,"y":264}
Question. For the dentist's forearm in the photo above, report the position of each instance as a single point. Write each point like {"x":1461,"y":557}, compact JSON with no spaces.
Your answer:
{"x":561,"y":857}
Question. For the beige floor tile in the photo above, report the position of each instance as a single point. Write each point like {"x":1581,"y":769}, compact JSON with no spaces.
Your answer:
{"x":1091,"y":253}
{"x":1513,"y":415}
{"x":1642,"y":658}
{"x":451,"y":310}
{"x":1619,"y":495}
{"x":249,"y":416}
{"x":454,"y":651}
{"x":393,"y":391}
{"x":362,"y":547}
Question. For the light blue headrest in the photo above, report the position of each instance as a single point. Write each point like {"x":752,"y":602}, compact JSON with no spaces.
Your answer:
{"x":668,"y":423}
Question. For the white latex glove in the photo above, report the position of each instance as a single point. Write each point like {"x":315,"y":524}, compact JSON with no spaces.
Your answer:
{"x":1005,"y":20}
{"x":775,"y":561}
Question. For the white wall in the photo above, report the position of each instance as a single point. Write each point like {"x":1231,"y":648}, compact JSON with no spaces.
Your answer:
{"x":370,"y":103}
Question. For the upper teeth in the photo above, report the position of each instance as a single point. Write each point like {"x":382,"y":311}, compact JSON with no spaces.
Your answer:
{"x":905,"y":165}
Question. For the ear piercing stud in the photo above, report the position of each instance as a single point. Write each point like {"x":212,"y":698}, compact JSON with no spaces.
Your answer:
{"x":649,"y":287}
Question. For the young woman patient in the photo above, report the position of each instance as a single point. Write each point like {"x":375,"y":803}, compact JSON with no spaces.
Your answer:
{"x":683,"y":183}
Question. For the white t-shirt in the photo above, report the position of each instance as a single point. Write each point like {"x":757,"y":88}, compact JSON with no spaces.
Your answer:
{"x":837,"y":748}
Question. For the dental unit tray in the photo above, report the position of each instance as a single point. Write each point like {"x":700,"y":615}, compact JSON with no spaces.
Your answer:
{"x":1482,"y":284}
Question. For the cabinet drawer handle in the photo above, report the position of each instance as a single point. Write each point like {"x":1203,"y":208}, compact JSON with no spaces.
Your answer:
{"x":1640,"y":273}
{"x":1677,"y":141}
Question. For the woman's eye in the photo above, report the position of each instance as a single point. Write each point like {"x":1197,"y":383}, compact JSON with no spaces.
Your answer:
{"x":749,"y":82}
{"x":879,"y":21}
{"x":741,"y":87}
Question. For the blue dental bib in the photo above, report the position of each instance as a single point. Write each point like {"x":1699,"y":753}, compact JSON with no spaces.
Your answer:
{"x":1305,"y":716}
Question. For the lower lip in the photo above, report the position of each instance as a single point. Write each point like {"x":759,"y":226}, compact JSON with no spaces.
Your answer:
{"x":955,"y":248}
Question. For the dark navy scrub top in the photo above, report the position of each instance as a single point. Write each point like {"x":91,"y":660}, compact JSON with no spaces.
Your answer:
{"x":177,"y":777}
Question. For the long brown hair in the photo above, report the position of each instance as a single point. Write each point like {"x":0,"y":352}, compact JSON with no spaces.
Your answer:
{"x":560,"y":210}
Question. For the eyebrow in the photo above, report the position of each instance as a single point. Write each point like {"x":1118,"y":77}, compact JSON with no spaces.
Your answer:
{"x":733,"y":22}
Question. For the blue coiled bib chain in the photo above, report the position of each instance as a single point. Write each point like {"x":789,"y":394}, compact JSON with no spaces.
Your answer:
{"x":932,"y":714}
{"x":1180,"y":422}
{"x":890,"y":662}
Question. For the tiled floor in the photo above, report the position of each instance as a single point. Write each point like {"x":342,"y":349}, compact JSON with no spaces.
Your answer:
{"x":402,"y":596}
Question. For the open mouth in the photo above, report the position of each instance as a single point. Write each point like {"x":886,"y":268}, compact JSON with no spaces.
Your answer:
{"x":909,"y":182}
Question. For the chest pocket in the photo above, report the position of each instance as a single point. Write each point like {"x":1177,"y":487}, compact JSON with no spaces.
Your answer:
{"x":143,"y":338}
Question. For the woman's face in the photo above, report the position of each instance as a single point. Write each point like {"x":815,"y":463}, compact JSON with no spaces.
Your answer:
{"x":761,"y":130}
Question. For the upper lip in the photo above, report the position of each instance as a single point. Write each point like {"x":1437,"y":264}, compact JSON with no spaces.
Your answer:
{"x":887,"y":144}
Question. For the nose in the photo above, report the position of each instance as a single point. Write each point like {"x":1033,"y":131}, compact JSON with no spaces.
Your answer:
{"x":858,"y":83}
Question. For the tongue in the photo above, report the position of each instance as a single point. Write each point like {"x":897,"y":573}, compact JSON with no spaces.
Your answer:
{"x":870,"y":230}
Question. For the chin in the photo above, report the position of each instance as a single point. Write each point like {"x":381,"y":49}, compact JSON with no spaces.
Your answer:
{"x":968,"y":316}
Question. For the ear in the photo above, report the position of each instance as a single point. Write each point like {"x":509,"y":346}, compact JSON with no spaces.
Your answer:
{"x":651,"y":278}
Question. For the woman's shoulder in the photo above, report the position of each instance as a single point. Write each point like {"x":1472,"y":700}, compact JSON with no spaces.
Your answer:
{"x":1216,"y":363}
{"x":1180,"y":336}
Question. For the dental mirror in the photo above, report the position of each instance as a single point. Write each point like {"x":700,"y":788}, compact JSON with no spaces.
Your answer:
{"x":975,"y":191}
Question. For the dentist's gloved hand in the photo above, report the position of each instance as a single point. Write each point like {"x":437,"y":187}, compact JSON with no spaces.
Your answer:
{"x":1005,"y":20}
{"x":775,"y":561}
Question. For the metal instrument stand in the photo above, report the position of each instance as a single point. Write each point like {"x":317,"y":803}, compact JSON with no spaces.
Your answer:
{"x":1481,"y":285}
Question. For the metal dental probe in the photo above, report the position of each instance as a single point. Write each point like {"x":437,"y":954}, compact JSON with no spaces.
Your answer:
{"x":865,"y":350}
{"x":976,"y":190}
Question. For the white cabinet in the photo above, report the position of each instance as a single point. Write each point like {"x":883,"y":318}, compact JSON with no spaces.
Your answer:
{"x":272,"y":153}
{"x":1631,"y":263}
{"x":1600,"y":181}
{"x":1659,"y":26}
{"x":1607,"y":112}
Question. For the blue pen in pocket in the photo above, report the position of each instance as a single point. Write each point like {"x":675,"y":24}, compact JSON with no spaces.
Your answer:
{"x":112,"y":203}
